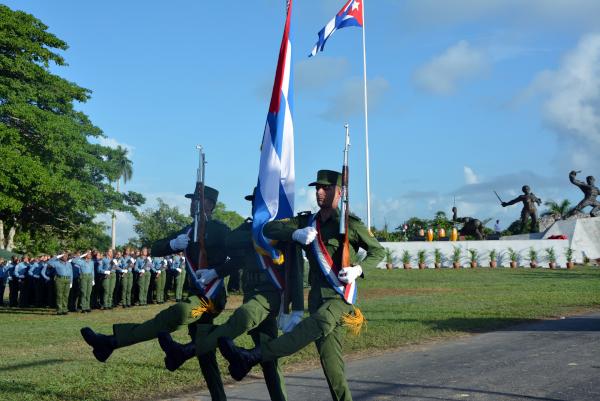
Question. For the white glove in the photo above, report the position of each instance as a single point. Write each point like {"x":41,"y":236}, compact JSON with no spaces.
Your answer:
{"x":180,"y":242}
{"x":349,"y":274}
{"x":69,"y":260}
{"x":83,"y":256}
{"x":114,"y":261}
{"x":182,"y":259}
{"x":70,"y":286}
{"x":287,"y":322}
{"x":178,"y":269}
{"x":93,"y":283}
{"x":142,"y":272}
{"x":59,"y":256}
{"x":124,"y":271}
{"x":149,"y":259}
{"x":131,"y":260}
{"x":107,"y":272}
{"x":304,"y":235}
{"x":207,"y":276}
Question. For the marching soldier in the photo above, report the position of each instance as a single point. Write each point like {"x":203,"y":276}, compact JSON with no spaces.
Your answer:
{"x":257,"y":315}
{"x":326,"y":305}
{"x":63,"y":281}
{"x":85,"y":264}
{"x":182,"y":313}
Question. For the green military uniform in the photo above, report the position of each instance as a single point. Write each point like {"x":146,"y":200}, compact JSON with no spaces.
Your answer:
{"x":261,"y":305}
{"x":160,"y":279}
{"x":180,"y":279}
{"x":325,"y":305}
{"x":127,"y":280}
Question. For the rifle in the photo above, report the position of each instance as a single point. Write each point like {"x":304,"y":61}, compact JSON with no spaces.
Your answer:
{"x":344,"y":214}
{"x":200,"y":213}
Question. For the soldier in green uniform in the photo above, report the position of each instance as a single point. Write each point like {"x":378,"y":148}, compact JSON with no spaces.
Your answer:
{"x":127,"y":264}
{"x":258,"y":313}
{"x":181,"y":314}
{"x":178,"y":270}
{"x":326,"y":306}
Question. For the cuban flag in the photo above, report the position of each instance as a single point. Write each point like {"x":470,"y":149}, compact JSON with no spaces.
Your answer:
{"x":274,"y":198}
{"x":350,"y":15}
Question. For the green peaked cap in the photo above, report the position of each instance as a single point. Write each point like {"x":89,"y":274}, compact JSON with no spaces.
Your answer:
{"x":209,"y":193}
{"x":327,"y":177}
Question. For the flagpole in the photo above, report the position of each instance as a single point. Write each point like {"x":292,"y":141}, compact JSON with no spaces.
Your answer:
{"x":366,"y":118}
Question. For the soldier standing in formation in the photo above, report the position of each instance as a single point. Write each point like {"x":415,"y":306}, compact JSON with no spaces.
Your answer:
{"x":326,"y":306}
{"x":63,"y":281}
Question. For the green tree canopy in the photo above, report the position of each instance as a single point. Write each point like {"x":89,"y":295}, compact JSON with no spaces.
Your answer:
{"x":162,"y":222}
{"x":53,"y":180}
{"x":229,"y":217}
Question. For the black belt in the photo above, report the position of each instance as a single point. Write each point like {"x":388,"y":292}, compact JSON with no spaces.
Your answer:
{"x":59,"y":276}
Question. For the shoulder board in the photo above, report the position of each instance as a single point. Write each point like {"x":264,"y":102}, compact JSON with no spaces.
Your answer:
{"x":354,"y":217}
{"x":305,"y":213}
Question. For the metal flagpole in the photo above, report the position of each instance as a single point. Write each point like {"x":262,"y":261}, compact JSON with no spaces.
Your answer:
{"x":366,"y":118}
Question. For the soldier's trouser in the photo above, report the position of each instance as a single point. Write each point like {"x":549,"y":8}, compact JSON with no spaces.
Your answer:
{"x":23,"y":292}
{"x":108,"y":289}
{"x":61,"y":288}
{"x":38,"y":285}
{"x":13,"y":288}
{"x":126,"y":287}
{"x":258,"y":315}
{"x":324,"y":327}
{"x":143,"y":284}
{"x":74,"y":294}
{"x":171,"y":319}
{"x":160,"y":281}
{"x":179,"y":281}
{"x":2,"y":288}
{"x":85,"y":290}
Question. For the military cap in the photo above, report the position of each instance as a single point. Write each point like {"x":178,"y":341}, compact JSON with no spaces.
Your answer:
{"x":209,"y":193}
{"x":328,"y":177}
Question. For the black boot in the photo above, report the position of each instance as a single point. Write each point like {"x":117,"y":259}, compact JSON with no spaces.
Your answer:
{"x":102,"y":345}
{"x":175,"y":354}
{"x":240,"y":360}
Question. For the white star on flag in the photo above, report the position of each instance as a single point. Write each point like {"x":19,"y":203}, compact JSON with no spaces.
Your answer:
{"x":355,"y":5}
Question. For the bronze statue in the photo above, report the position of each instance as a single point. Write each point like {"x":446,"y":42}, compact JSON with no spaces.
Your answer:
{"x":471,"y":226}
{"x":590,"y":192}
{"x":529,"y":210}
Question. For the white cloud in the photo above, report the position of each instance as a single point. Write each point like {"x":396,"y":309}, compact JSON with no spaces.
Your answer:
{"x":571,"y":103}
{"x":470,"y":176}
{"x":349,"y":101}
{"x":113,"y":143}
{"x":457,"y":64}
{"x":305,"y":200}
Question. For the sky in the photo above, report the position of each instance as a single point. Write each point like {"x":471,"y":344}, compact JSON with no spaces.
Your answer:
{"x":465,"y":97}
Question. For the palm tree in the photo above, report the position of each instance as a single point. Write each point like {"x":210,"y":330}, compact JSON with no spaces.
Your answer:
{"x":124,"y":171}
{"x":557,"y":210}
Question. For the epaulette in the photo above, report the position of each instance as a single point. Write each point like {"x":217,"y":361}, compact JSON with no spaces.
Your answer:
{"x":354,"y":217}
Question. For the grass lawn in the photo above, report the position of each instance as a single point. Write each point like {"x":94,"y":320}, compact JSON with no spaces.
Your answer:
{"x":43,"y":357}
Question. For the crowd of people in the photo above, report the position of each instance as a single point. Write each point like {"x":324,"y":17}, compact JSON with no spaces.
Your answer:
{"x":80,"y":282}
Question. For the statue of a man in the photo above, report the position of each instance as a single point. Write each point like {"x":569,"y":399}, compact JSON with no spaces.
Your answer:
{"x":471,"y":226}
{"x":590,"y":192}
{"x":529,"y":210}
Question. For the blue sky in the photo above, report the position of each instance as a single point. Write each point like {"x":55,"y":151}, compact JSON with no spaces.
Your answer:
{"x":464,"y":96}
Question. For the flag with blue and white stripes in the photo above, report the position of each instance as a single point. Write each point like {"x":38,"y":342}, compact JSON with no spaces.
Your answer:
{"x":274,"y":197}
{"x":351,"y":14}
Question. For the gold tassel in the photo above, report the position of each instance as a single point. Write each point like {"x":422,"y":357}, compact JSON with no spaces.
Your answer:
{"x":278,"y":261}
{"x":205,"y":306}
{"x":354,"y":321}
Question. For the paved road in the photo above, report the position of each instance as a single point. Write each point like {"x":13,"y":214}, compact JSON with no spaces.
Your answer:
{"x":549,"y":360}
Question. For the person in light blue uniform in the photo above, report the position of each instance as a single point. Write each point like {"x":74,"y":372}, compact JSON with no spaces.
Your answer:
{"x":48,"y":274}
{"x":20,"y":275}
{"x":85,"y":265}
{"x":106,"y":269}
{"x":143,"y":265}
{"x":35,"y":277}
{"x":126,"y":265}
{"x":13,"y":289}
{"x":178,"y":271}
{"x":159,"y":266}
{"x":74,"y":299}
{"x":3,"y":270}
{"x":63,"y":281}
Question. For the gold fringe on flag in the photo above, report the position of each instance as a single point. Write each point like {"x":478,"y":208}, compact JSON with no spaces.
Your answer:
{"x":354,"y":321}
{"x":278,"y":261}
{"x":205,"y":306}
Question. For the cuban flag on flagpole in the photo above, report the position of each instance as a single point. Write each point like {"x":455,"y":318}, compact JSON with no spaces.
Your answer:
{"x":274,"y":197}
{"x":349,"y":15}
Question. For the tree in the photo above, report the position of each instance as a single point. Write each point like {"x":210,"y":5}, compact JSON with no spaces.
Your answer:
{"x":53,"y":180}
{"x":124,"y":171}
{"x":229,"y":217}
{"x":557,"y":210}
{"x":155,"y":224}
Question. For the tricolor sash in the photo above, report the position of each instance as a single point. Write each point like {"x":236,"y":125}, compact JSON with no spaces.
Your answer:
{"x":266,"y":264}
{"x":348,"y":292}
{"x":210,"y":290}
